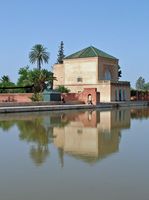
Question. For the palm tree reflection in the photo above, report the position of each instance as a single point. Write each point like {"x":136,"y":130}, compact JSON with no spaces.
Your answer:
{"x":39,"y":154}
{"x":39,"y":136}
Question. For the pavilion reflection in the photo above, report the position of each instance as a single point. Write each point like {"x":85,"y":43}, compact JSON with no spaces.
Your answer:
{"x":91,"y":135}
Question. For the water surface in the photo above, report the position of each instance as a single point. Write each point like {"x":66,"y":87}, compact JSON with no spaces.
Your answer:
{"x":73,"y":155}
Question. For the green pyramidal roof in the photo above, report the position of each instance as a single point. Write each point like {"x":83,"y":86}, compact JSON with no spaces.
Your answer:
{"x":89,"y":52}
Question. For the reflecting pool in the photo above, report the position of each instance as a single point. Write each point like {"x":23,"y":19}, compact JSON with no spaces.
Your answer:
{"x":75,"y":155}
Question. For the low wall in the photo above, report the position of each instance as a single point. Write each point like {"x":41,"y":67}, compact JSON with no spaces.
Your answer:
{"x":137,"y":95}
{"x":15,"y":97}
{"x":83,"y":96}
{"x":140,"y":97}
{"x":70,"y":96}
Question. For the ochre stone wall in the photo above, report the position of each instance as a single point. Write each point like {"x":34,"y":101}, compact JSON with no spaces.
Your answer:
{"x":78,"y":74}
{"x":112,"y":65}
{"x":58,"y":71}
{"x":103,"y":87}
{"x":72,"y":69}
{"x":90,"y":70}
{"x":84,"y":68}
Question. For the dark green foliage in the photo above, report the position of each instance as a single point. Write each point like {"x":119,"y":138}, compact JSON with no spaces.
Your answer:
{"x":62,"y":89}
{"x":146,"y":86}
{"x":37,"y":97}
{"x":41,"y":79}
{"x":119,"y":72}
{"x":4,"y":83}
{"x":39,"y":55}
{"x":38,"y":78}
{"x":60,"y":55}
{"x":133,"y":92}
{"x":6,"y":125}
{"x":24,"y":79}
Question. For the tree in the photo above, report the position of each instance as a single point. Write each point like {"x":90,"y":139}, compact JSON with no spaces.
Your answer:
{"x":4,"y":83}
{"x":24,"y":79}
{"x":140,"y":83}
{"x":146,"y":86}
{"x":119,"y":72}
{"x":39,"y":55}
{"x":38,"y":78}
{"x":60,"y":55}
{"x":5,"y":79}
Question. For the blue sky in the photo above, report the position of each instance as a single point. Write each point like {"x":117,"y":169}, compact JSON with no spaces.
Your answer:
{"x":118,"y":27}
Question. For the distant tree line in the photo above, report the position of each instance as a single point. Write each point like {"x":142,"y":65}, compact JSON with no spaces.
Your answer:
{"x":141,"y":84}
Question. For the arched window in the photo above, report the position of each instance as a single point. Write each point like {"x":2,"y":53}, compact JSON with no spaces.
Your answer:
{"x":79,"y":79}
{"x":116,"y":95}
{"x":107,"y":75}
{"x":124,"y":95}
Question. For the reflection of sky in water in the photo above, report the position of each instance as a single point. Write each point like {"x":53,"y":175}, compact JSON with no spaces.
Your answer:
{"x":69,"y":148}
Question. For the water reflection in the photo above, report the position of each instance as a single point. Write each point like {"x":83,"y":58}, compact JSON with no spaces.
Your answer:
{"x":91,"y":135}
{"x":85,"y":135}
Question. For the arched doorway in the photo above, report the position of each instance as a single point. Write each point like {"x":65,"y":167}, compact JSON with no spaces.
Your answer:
{"x":89,"y":99}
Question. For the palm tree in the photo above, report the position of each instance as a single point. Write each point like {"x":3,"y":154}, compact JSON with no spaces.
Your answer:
{"x":5,"y":79}
{"x":39,"y":54}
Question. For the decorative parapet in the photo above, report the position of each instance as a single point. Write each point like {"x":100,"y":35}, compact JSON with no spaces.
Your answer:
{"x":104,"y":82}
{"x":121,"y":83}
{"x":117,"y":83}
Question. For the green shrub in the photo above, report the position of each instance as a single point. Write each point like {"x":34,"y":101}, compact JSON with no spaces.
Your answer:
{"x":62,"y":89}
{"x":37,"y":97}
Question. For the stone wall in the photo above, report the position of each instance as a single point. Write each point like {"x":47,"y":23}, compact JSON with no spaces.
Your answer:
{"x":88,"y":96}
{"x":58,"y":71}
{"x":82,"y":70}
{"x":76,"y":71}
{"x":104,"y":88}
{"x":70,"y":96}
{"x":15,"y":97}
